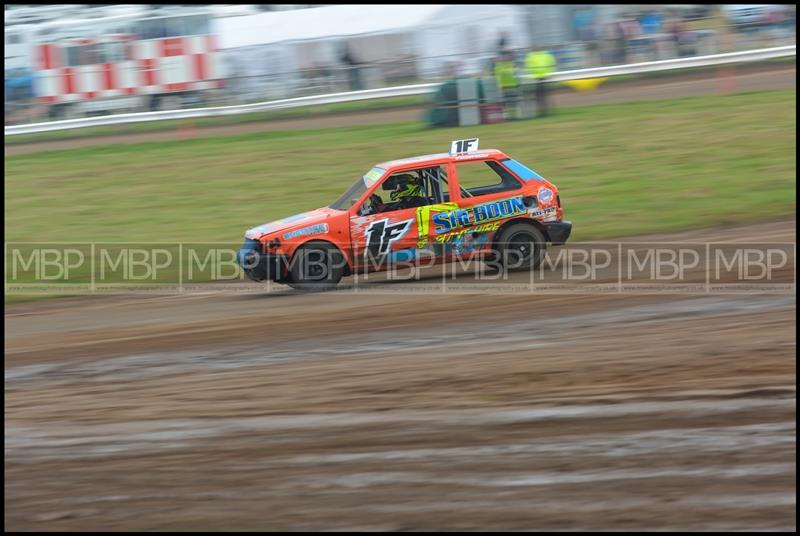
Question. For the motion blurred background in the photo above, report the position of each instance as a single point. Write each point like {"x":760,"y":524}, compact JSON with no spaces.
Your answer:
{"x":65,"y":61}
{"x":398,"y":405}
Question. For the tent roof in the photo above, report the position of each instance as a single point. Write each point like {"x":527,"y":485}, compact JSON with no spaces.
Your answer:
{"x":322,"y":22}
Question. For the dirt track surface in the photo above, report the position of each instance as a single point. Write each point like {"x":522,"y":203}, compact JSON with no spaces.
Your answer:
{"x":747,"y":77}
{"x":405,"y":410}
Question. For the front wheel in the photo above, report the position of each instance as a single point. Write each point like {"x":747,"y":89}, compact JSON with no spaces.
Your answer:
{"x":316,"y":266}
{"x":520,"y":247}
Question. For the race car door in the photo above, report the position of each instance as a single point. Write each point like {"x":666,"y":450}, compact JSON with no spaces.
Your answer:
{"x":387,"y":228}
{"x":488,"y":194}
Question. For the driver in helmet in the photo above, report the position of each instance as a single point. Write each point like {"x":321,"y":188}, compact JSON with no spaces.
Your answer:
{"x":408,"y":192}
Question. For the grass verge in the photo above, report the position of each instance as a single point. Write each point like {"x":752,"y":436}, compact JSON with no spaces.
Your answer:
{"x":622,"y":169}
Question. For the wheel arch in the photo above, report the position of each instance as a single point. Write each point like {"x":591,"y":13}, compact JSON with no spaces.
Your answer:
{"x":513,"y":221}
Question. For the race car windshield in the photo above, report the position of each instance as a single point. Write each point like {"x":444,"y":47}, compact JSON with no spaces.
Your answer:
{"x":354,"y":193}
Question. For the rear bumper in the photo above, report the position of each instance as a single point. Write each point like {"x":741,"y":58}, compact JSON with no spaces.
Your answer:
{"x":262,"y":266}
{"x":558,"y":231}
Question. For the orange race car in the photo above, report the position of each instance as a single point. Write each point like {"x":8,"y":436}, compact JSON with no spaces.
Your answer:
{"x":439,"y":208}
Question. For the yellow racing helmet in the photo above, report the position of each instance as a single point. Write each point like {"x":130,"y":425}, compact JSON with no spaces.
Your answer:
{"x":407,"y":186}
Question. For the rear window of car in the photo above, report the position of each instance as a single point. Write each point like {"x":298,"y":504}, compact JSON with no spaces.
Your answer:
{"x":523,"y":172}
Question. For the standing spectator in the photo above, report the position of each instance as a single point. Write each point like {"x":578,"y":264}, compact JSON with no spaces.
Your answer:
{"x":505,"y":72}
{"x":773,"y":21}
{"x":680,"y":37}
{"x":502,"y":44}
{"x":630,"y":34}
{"x":636,"y":42}
{"x":540,"y":64}
{"x":608,"y":44}
{"x":650,"y":22}
{"x":353,"y":69}
{"x":583,"y":22}
{"x":620,"y":44}
{"x":587,"y":33}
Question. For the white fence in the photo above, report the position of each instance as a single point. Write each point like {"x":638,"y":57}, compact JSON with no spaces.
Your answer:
{"x":401,"y":91}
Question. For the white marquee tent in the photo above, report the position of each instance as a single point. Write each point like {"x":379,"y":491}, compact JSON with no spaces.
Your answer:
{"x":420,"y":40}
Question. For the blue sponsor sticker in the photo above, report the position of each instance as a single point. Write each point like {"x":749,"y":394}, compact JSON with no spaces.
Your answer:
{"x":465,"y":217}
{"x":319,"y":228}
{"x":273,"y":226}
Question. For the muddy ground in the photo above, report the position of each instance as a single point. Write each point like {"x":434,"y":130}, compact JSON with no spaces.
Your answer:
{"x":406,"y":409}
{"x":743,"y":77}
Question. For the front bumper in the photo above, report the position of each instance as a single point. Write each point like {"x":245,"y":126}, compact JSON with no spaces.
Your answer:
{"x":558,"y":231}
{"x":260,"y":266}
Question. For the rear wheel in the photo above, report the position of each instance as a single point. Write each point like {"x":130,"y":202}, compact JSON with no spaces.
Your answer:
{"x":520,"y":247}
{"x":316,"y":266}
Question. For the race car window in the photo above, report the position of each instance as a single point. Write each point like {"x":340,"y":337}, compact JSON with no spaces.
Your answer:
{"x":436,"y":183}
{"x":354,"y":193}
{"x":487,"y":177}
{"x":408,"y":189}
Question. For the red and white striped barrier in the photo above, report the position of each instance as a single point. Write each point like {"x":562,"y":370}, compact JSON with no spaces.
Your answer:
{"x":155,"y":66}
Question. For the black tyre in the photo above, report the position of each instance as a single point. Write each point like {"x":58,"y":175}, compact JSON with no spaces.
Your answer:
{"x":520,"y":247}
{"x":316,"y":266}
